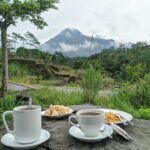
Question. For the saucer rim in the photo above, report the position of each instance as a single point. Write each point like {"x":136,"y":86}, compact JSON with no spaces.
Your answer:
{"x":91,"y":139}
{"x":29,"y":145}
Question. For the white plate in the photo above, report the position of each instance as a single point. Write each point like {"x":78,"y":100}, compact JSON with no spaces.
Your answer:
{"x":77,"y":133}
{"x":128,"y":117}
{"x":60,"y":116}
{"x":9,"y":140}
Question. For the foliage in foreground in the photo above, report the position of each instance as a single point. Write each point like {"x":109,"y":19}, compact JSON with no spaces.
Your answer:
{"x":134,"y":99}
{"x":43,"y":97}
{"x":127,"y":64}
{"x":91,"y":82}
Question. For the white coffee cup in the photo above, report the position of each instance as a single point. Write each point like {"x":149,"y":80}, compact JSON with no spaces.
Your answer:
{"x":90,"y":121}
{"x":26,"y":123}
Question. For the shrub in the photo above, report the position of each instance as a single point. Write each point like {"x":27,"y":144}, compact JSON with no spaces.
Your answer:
{"x":6,"y":104}
{"x":141,"y":95}
{"x":17,"y":70}
{"x":43,"y":97}
{"x":144,"y":113}
{"x":137,"y":95}
{"x":108,"y":82}
{"x":91,"y":82}
{"x":134,"y":99}
{"x":134,"y":73}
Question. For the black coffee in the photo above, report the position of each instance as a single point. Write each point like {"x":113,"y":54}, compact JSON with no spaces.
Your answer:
{"x":90,"y":114}
{"x":24,"y":109}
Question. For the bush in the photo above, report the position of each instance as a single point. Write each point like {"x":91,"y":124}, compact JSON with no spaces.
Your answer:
{"x":91,"y":82}
{"x":108,"y":82}
{"x":134,"y":73}
{"x":117,"y":101}
{"x":137,"y":95}
{"x":6,"y":104}
{"x":134,"y":99}
{"x":43,"y":97}
{"x":17,"y":70}
{"x":141,"y":95}
{"x":144,"y":113}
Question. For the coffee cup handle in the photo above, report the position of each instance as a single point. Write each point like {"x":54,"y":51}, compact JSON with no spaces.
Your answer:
{"x":70,"y":120}
{"x":5,"y":123}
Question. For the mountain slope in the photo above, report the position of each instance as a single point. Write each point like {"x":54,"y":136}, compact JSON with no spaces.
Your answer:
{"x":73,"y":43}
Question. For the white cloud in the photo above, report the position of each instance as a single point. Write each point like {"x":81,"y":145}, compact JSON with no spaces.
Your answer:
{"x":123,"y":20}
{"x":67,"y":47}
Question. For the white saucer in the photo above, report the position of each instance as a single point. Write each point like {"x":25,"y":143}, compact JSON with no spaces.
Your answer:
{"x":77,"y":133}
{"x":9,"y":140}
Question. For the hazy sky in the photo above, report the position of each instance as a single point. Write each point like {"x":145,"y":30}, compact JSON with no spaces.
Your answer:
{"x":123,"y":20}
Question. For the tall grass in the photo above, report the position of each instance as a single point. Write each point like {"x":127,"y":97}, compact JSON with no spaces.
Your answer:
{"x":134,"y":99}
{"x":7,"y":103}
{"x":43,"y":97}
{"x":91,"y":82}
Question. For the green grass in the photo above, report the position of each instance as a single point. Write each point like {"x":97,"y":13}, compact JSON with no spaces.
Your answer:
{"x":134,"y":99}
{"x":43,"y":97}
{"x":130,"y":98}
{"x":91,"y":83}
{"x":72,"y":85}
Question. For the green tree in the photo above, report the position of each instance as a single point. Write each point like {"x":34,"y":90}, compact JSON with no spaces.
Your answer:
{"x":19,"y":37}
{"x":10,"y":12}
{"x":46,"y":57}
{"x":58,"y":57}
{"x":32,"y":41}
{"x":134,"y":73}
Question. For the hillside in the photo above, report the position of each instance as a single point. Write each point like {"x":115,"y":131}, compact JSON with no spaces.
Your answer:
{"x":124,"y":63}
{"x":34,"y":71}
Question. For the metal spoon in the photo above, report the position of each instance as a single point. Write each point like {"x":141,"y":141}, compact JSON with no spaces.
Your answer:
{"x":125,"y":121}
{"x":105,"y":133}
{"x":30,"y":103}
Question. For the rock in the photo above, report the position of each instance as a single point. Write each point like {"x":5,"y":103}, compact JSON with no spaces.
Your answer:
{"x":61,"y":140}
{"x":73,"y":79}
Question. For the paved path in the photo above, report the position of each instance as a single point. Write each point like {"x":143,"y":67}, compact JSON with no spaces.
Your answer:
{"x":20,"y":87}
{"x":17,"y":87}
{"x":69,"y":89}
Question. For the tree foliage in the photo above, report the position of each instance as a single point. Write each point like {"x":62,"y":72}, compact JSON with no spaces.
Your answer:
{"x":127,"y":64}
{"x":29,"y":10}
{"x":32,"y":41}
{"x":25,"y":10}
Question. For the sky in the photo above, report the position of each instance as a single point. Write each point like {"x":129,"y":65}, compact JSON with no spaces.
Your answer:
{"x":121,"y":20}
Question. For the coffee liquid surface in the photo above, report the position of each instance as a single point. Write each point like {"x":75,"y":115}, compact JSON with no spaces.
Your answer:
{"x":24,"y":109}
{"x":90,"y":114}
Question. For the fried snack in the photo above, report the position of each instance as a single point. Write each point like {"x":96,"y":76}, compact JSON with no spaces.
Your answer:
{"x":55,"y":113}
{"x":111,"y":117}
{"x":56,"y":110}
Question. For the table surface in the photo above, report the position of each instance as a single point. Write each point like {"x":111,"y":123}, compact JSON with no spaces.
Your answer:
{"x":61,"y":140}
